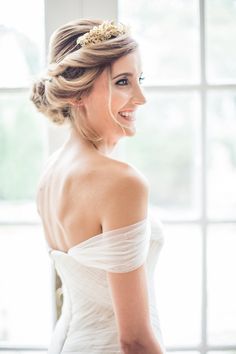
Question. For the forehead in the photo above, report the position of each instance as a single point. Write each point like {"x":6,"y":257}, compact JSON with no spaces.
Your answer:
{"x":128,"y":63}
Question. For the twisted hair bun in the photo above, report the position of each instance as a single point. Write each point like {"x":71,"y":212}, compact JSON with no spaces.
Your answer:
{"x":38,"y":95}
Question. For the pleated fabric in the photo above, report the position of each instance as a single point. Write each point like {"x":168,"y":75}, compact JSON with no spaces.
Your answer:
{"x":87,"y":323}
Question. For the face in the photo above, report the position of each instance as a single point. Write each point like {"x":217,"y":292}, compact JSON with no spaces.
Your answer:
{"x":126,"y":95}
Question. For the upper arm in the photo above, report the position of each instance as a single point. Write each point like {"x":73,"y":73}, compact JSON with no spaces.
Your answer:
{"x":131,"y":306}
{"x":127,"y":205}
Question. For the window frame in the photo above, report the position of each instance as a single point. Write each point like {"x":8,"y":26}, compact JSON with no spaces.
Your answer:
{"x":203,"y":221}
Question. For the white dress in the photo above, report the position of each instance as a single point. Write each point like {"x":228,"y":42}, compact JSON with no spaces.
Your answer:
{"x":87,"y":323}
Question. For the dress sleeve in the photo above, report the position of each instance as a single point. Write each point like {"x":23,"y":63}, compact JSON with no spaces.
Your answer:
{"x":119,"y":251}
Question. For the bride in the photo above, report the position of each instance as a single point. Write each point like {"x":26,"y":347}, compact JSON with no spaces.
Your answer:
{"x":94,"y":208}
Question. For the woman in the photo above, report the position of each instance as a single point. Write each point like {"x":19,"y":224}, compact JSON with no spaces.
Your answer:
{"x":94,"y":207}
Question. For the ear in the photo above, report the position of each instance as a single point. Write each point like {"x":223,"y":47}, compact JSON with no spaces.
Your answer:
{"x":76,"y":102}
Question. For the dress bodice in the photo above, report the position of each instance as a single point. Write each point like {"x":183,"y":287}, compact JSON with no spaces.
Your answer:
{"x":87,"y":322}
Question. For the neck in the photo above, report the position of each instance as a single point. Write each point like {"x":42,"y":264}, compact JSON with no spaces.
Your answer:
{"x":105,"y":146}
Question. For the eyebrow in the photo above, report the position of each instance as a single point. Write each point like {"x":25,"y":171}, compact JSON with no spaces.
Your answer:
{"x":124,"y":74}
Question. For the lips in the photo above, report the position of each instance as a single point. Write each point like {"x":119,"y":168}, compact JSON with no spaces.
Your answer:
{"x":128,"y":115}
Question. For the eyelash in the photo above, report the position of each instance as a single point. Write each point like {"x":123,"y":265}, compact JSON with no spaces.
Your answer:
{"x":126,"y":80}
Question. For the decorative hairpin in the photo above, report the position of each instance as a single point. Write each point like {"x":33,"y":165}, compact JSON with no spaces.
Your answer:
{"x":102,"y":33}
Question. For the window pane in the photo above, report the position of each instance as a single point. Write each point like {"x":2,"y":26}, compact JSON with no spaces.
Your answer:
{"x":221,"y":284}
{"x":167,"y":150}
{"x":21,"y":41}
{"x":221,"y":33}
{"x":168,"y":34}
{"x":22,"y":147}
{"x":19,"y":212}
{"x":178,"y":285}
{"x":221,"y":154}
{"x":26,"y":295}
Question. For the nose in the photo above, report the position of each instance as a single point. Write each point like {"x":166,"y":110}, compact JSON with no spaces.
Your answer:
{"x":138,"y":96}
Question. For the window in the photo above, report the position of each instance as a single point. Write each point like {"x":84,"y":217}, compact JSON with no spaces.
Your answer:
{"x":25,"y":273}
{"x":186,"y":147}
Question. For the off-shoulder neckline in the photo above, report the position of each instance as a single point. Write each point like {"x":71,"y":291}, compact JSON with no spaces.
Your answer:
{"x":95,"y":237}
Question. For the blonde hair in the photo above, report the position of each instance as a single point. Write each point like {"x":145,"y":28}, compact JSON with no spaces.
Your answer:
{"x":72,"y":71}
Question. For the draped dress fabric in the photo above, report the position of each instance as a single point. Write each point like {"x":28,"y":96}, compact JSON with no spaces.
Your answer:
{"x":87,"y":322}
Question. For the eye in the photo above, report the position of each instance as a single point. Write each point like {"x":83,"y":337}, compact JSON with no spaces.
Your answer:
{"x":141,"y":79}
{"x":122,"y":82}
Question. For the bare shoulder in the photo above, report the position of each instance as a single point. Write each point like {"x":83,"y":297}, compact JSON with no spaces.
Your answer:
{"x":126,"y":170}
{"x":126,"y":177}
{"x":48,"y":167}
{"x":110,"y":192}
{"x":125,"y":197}
{"x":122,"y":176}
{"x":115,"y":173}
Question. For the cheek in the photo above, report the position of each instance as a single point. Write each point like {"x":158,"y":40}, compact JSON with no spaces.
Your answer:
{"x":97,"y":102}
{"x":119,"y":98}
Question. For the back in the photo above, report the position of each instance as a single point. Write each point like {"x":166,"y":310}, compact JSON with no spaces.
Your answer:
{"x":73,"y":192}
{"x":87,"y":195}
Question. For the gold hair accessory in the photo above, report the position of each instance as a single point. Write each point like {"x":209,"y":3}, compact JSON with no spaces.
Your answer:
{"x":102,"y":33}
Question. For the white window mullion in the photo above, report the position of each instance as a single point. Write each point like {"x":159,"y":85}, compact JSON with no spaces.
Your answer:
{"x":102,"y":9}
{"x":202,"y":24}
{"x":57,"y":13}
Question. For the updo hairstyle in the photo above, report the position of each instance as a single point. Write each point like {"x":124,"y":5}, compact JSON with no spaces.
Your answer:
{"x":72,"y":71}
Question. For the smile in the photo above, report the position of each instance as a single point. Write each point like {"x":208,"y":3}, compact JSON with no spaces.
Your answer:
{"x":127,"y":115}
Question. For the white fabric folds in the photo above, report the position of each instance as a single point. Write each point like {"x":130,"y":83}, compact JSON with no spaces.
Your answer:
{"x":87,"y":323}
{"x":120,"y":250}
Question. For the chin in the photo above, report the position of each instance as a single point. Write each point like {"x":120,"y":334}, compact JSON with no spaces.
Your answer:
{"x":126,"y":131}
{"x":130,"y":131}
